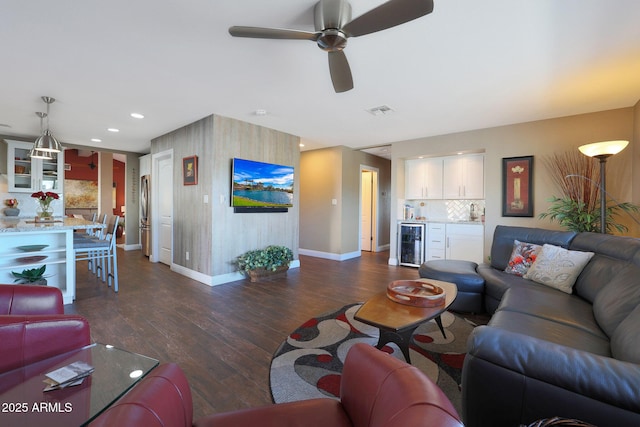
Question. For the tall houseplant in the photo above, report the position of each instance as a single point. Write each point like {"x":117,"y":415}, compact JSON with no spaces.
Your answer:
{"x":578,"y":207}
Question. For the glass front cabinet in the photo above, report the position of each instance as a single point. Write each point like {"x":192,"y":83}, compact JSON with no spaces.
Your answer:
{"x":27,"y":175}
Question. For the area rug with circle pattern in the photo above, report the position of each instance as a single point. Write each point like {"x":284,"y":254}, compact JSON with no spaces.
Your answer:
{"x":308,"y":364}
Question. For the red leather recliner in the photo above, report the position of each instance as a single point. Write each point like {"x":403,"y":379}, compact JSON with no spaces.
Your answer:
{"x":33,"y":326}
{"x":377,"y":390}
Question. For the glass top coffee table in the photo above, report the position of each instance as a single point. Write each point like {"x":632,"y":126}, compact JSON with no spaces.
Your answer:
{"x":397,"y":322}
{"x":24,"y":403}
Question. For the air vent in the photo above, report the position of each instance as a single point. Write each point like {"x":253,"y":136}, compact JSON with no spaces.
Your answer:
{"x":381,"y":110}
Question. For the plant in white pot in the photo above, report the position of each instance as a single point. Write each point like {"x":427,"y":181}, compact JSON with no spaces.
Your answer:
{"x":261,"y":262}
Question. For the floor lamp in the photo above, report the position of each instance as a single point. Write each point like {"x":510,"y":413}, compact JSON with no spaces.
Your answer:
{"x":602,"y":151}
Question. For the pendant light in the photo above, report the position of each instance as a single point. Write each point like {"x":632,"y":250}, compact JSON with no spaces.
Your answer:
{"x":46,"y":141}
{"x":39,"y":154}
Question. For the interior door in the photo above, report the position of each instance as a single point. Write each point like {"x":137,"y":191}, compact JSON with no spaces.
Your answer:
{"x":366,"y":220}
{"x":165,"y":210}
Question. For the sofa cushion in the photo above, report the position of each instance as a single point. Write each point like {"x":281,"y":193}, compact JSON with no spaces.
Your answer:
{"x":504,"y":236}
{"x":548,"y":303}
{"x":498,"y":282}
{"x":522,"y":257}
{"x":549,"y":330}
{"x":558,"y":267}
{"x":613,"y":253}
{"x":625,"y":339}
{"x":618,"y":299}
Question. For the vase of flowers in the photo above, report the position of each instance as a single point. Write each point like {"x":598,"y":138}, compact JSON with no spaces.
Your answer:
{"x":44,"y":199}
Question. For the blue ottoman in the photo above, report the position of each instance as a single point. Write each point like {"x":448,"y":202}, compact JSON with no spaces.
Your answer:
{"x":463,"y":273}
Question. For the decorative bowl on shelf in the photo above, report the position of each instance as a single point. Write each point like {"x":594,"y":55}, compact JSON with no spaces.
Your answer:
{"x":416,"y":293}
{"x":31,"y":259}
{"x":31,"y":248}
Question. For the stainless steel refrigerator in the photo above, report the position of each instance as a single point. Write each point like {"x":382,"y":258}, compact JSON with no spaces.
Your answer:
{"x":145,"y":214}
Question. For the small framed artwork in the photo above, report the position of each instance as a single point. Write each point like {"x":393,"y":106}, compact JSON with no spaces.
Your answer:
{"x":190,"y":170}
{"x":517,"y":186}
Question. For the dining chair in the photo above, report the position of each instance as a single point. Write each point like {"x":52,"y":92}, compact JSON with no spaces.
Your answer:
{"x":101,"y":248}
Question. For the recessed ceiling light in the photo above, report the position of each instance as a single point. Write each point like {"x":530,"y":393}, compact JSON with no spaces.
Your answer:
{"x":301,"y":145}
{"x":261,"y":112}
{"x":137,"y":116}
{"x":96,"y":140}
{"x":113,"y":130}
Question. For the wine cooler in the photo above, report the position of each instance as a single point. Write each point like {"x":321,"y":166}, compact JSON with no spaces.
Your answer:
{"x":411,"y":238}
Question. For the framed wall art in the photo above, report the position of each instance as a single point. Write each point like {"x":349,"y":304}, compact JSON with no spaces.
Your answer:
{"x":190,"y":170}
{"x":517,"y":186}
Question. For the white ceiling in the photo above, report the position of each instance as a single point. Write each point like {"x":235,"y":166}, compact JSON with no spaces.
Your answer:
{"x":470,"y":64}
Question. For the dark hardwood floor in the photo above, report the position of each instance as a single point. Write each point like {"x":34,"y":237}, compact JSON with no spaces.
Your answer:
{"x":223,"y":337}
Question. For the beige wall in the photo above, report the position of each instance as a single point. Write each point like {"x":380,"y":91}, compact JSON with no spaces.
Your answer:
{"x":211,"y":232}
{"x":635,"y":148}
{"x":539,"y":139}
{"x":334,"y":173}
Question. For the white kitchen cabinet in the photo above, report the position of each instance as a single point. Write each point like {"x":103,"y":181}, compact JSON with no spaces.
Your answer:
{"x":465,"y":242}
{"x":436,"y":240}
{"x":464,"y":177}
{"x":27,"y":175}
{"x":423,"y":178}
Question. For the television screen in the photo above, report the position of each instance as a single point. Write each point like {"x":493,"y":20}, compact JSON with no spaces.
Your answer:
{"x":261,"y":185}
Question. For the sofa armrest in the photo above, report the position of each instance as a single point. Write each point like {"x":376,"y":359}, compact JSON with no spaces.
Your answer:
{"x":30,"y":299}
{"x":162,"y":398}
{"x":378,"y":389}
{"x":29,"y":339}
{"x":597,"y":377}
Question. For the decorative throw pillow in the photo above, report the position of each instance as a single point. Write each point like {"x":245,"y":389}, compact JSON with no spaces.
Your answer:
{"x":558,"y":267}
{"x":523,"y":255}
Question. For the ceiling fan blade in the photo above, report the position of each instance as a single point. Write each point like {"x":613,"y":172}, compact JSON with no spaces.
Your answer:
{"x":340,"y":71}
{"x":272,"y":33}
{"x":387,"y":15}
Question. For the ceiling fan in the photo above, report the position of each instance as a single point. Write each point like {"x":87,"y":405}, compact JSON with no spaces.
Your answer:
{"x":334,"y":26}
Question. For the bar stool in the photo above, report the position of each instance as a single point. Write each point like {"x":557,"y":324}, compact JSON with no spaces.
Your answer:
{"x":102,"y":248}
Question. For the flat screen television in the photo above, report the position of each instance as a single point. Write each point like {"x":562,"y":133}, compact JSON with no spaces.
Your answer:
{"x":259,"y":186}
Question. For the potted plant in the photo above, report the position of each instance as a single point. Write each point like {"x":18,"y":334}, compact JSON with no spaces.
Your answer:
{"x":578,"y":209}
{"x":261,"y":262}
{"x":32,"y":276}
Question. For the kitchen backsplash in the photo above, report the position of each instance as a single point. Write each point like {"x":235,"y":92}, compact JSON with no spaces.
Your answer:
{"x":442,"y":210}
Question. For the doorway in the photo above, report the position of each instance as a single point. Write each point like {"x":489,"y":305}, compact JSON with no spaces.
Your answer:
{"x":162,"y":207}
{"x":368,"y":208}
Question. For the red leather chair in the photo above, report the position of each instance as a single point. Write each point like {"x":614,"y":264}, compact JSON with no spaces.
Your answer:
{"x":377,"y":390}
{"x":33,"y":326}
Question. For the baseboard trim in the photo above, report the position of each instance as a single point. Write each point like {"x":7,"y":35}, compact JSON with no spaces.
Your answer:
{"x":329,"y":255}
{"x":192,"y":274}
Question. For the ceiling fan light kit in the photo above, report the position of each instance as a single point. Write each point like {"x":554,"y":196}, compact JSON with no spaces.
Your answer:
{"x":333,"y":24}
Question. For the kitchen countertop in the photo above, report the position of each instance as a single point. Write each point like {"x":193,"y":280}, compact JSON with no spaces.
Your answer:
{"x":21,"y":224}
{"x":441,"y":221}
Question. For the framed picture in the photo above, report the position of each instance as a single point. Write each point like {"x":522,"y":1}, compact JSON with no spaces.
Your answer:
{"x":190,"y":170}
{"x":517,"y":186}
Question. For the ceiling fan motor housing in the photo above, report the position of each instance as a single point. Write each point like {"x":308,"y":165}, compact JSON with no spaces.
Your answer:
{"x":333,"y":14}
{"x":330,"y":16}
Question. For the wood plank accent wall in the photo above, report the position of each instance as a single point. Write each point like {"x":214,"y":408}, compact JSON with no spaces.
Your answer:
{"x":211,"y":232}
{"x":236,"y":233}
